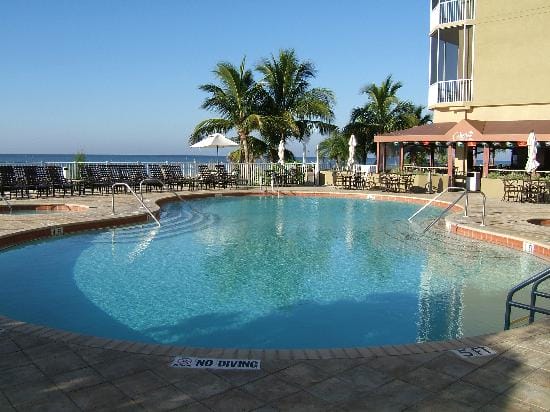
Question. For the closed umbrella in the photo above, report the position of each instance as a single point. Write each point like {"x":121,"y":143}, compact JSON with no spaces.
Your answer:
{"x":351,"y":145}
{"x":215,"y":140}
{"x":281,"y":152}
{"x":532,"y":163}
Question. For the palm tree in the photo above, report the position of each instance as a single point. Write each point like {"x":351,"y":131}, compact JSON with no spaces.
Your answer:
{"x":382,"y":113}
{"x":292,"y":108}
{"x":236,"y":100}
{"x":256,"y":149}
{"x":335,"y":147}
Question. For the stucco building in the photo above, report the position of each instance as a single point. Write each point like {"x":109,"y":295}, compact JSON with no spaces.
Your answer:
{"x":489,"y":84}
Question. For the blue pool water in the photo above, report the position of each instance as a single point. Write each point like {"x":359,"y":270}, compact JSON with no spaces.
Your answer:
{"x":263,"y":272}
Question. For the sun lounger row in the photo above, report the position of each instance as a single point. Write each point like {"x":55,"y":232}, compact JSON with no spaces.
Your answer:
{"x":19,"y":181}
{"x":46,"y":180}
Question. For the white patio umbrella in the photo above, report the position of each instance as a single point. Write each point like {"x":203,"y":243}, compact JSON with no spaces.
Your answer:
{"x":351,"y":144}
{"x":215,"y":140}
{"x":281,"y":152}
{"x":305,"y":141}
{"x":532,"y":163}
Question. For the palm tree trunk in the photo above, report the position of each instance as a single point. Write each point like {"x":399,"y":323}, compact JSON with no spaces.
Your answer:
{"x":244,"y":144}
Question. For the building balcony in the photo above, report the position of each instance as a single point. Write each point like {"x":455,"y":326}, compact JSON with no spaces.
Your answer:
{"x":452,"y":11}
{"x":450,"y":91}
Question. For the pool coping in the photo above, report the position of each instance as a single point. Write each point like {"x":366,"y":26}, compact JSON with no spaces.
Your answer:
{"x":59,"y":335}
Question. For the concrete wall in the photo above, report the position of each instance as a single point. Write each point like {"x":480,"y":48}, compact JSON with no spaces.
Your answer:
{"x":493,"y":188}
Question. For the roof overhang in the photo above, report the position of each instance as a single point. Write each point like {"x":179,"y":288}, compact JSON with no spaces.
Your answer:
{"x":471,"y":131}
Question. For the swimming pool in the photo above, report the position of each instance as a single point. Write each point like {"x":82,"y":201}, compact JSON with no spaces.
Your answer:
{"x":265,"y":272}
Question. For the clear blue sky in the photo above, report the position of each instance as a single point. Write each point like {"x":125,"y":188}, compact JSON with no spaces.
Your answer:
{"x":122,"y":77}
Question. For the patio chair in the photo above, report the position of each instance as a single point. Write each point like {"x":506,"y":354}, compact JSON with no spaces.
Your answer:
{"x":369,"y":182}
{"x":58,"y":181}
{"x":383,"y":182}
{"x":205,"y":179}
{"x":174,"y":178}
{"x":534,"y":190}
{"x":36,"y":179}
{"x":235,"y":180}
{"x":513,"y":190}
{"x":405,"y":183}
{"x":9,"y":182}
{"x":339,"y":180}
{"x":358,"y":180}
{"x":96,"y":177}
{"x":154,"y":176}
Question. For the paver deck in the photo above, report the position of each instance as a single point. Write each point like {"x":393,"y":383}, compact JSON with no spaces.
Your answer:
{"x":43,"y":369}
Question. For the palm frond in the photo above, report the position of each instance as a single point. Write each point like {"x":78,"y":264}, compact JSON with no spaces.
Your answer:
{"x":209,"y":126}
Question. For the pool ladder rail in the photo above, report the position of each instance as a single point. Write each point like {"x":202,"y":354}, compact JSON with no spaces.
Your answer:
{"x":126,"y":186}
{"x":3,"y":198}
{"x":535,"y":281}
{"x":464,"y":193}
{"x":151,"y":180}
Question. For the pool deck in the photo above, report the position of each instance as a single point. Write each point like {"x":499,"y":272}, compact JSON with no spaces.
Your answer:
{"x":46,"y":369}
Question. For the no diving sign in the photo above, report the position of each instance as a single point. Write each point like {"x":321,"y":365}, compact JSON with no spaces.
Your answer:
{"x":212,"y":363}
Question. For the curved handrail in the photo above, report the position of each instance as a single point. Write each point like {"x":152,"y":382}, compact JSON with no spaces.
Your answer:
{"x":136,"y":196}
{"x":7,"y":203}
{"x":149,"y":179}
{"x":534,"y":280}
{"x":438,"y":196}
{"x":164,"y":186}
{"x":437,"y":219}
{"x":465,"y":193}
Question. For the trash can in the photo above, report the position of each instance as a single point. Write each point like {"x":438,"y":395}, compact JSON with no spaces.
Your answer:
{"x":65,"y":172}
{"x":473,"y":181}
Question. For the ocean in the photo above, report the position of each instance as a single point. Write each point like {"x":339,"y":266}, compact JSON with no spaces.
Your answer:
{"x":113,"y":158}
{"x":116,"y":158}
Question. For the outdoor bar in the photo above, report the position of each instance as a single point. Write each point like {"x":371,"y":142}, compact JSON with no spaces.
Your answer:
{"x":464,"y":141}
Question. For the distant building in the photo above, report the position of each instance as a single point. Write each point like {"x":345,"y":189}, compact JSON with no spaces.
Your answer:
{"x":489,"y":84}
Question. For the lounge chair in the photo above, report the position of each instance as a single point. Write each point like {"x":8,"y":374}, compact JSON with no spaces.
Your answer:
{"x":58,"y":181}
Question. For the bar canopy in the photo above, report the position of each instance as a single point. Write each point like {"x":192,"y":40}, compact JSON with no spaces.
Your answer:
{"x":471,"y":131}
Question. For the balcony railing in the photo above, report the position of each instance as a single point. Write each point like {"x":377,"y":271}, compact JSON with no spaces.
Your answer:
{"x":451,"y":11}
{"x":450,"y":91}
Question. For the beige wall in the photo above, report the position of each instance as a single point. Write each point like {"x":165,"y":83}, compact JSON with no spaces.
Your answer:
{"x":512,"y":112}
{"x":511,"y":63}
{"x":512,"y":52}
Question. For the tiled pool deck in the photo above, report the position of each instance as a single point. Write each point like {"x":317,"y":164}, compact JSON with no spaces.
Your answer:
{"x":43,"y":369}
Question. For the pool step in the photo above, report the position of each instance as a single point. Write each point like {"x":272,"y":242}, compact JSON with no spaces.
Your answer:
{"x":172,"y":224}
{"x":403,"y":232}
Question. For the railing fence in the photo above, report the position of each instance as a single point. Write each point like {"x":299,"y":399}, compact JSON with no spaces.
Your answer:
{"x":450,"y":11}
{"x":449,"y":91}
{"x":251,"y":174}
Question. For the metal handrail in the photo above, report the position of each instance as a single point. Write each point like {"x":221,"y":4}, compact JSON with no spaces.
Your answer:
{"x":136,"y":196}
{"x":535,"y":280}
{"x":438,"y":196}
{"x":465,"y":193}
{"x":150,"y":179}
{"x":437,"y":219}
{"x":484,"y":206}
{"x":7,"y":203}
{"x":164,"y":187}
